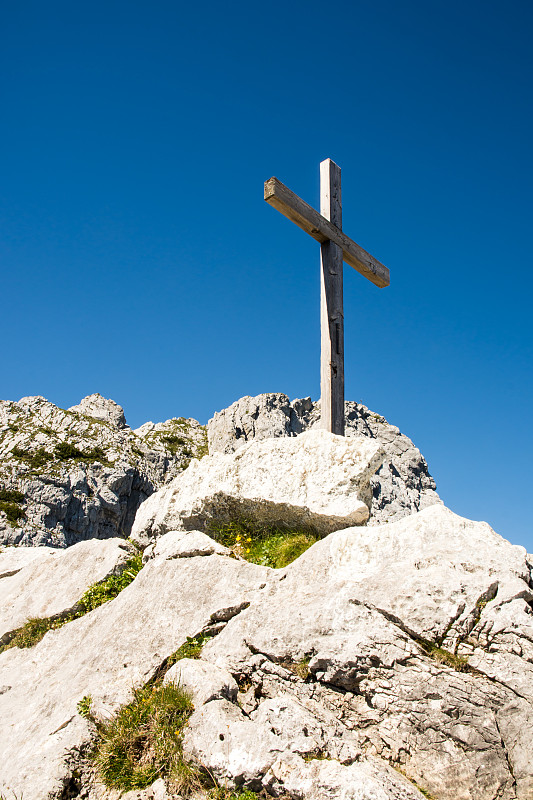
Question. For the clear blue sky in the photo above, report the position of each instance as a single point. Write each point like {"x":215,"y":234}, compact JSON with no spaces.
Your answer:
{"x":139,"y":259}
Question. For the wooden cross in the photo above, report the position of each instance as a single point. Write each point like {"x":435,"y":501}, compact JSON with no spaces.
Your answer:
{"x":335,"y":247}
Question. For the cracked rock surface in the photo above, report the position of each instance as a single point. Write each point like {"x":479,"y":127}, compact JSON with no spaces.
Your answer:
{"x":77,"y":474}
{"x":382,"y":662}
{"x":402,"y":484}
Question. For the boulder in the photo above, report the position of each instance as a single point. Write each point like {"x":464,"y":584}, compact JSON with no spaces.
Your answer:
{"x":104,"y":654}
{"x":94,"y":405}
{"x":386,"y":662}
{"x":205,"y":682}
{"x":319,"y":481}
{"x":367,"y":612}
{"x":401,"y":485}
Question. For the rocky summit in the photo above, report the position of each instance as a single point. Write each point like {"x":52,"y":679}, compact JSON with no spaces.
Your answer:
{"x":319,"y":625}
{"x":81,"y":473}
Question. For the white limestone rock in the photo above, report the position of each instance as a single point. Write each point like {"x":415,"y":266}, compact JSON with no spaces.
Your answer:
{"x":318,"y":481}
{"x":13,"y":559}
{"x":354,"y":608}
{"x":94,"y":405}
{"x":402,"y":485}
{"x":318,"y":780}
{"x":53,"y":585}
{"x":333,"y":658}
{"x":104,"y":654}
{"x":232,"y":747}
{"x":204,"y":681}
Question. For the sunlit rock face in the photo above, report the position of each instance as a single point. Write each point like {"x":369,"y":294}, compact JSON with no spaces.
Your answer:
{"x":384,"y":661}
{"x":77,"y":474}
{"x":317,"y":481}
{"x":400,"y":486}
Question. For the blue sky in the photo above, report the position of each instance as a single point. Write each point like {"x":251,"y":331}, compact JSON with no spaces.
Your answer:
{"x":138,"y":258}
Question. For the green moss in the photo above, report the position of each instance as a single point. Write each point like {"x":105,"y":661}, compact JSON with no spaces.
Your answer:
{"x":35,"y":628}
{"x":192,"y":648}
{"x":270,"y":546}
{"x":458,"y":663}
{"x":223,"y":793}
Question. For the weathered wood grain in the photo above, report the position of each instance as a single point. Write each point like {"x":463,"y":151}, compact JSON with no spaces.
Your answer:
{"x":331,"y":306}
{"x":316,"y":225}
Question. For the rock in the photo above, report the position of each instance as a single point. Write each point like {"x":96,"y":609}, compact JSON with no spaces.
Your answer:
{"x":305,"y":732}
{"x":157,"y":791}
{"x":13,"y":559}
{"x":383,"y":592}
{"x":98,"y":407}
{"x":54,"y":585}
{"x":233,"y":748}
{"x":402,"y":484}
{"x":81,"y":474}
{"x":316,"y":780}
{"x":104,"y":654}
{"x":191,"y":543}
{"x":204,"y":681}
{"x":405,"y":645}
{"x":318,"y":481}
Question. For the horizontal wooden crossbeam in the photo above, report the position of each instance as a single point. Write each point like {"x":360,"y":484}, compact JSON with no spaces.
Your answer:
{"x":321,"y":229}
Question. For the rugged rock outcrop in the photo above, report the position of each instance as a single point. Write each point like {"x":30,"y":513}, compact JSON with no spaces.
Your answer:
{"x":382,"y":659}
{"x":67,"y":476}
{"x":402,"y":484}
{"x":318,"y":482}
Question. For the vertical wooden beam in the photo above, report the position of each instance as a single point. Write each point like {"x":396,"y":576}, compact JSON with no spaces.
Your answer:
{"x":331,"y":305}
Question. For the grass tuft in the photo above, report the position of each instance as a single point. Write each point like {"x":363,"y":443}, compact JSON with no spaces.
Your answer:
{"x":442,"y":656}
{"x":269,"y":546}
{"x":144,"y":741}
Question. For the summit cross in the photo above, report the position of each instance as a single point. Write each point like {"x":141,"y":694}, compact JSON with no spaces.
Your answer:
{"x":335,"y":247}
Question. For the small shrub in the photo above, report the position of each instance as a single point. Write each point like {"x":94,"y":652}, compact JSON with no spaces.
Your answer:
{"x":65,"y":451}
{"x":84,"y":706}
{"x":35,"y":459}
{"x":173,"y":442}
{"x":144,"y":741}
{"x":12,"y":511}
{"x":270,"y":546}
{"x":11,"y":496}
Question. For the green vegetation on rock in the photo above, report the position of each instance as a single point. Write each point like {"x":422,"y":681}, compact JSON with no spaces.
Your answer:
{"x":34,"y":458}
{"x":10,"y":502}
{"x":35,"y":628}
{"x":269,"y":546}
{"x":143,"y":741}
